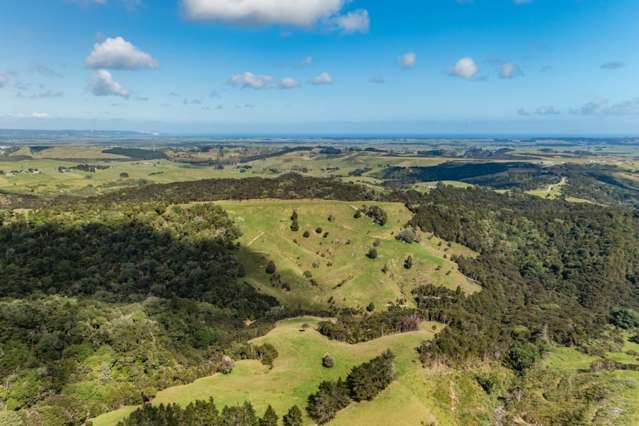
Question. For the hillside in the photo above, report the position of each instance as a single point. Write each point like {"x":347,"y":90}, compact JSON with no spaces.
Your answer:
{"x":332,"y":263}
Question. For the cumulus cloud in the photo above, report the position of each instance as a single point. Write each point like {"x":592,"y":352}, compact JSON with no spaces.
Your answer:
{"x":104,"y":85}
{"x":322,"y":78}
{"x":357,"y":21}
{"x":508,"y":70}
{"x":119,"y":54}
{"x":251,"y":81}
{"x":465,"y":68}
{"x":301,"y":13}
{"x":288,"y":83}
{"x":408,"y":59}
{"x":612,"y":65}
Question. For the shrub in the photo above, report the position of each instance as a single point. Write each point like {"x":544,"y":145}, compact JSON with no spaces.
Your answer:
{"x":306,"y":234}
{"x":270,"y":267}
{"x":376,"y":213}
{"x":328,"y":361}
{"x":407,"y":235}
{"x":372,"y":253}
{"x":318,"y":230}
{"x":226,"y":365}
{"x":522,"y":356}
{"x":370,"y":307}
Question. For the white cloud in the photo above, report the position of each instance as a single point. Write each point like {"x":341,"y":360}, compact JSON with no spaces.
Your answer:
{"x":288,"y":83}
{"x":547,"y":110}
{"x":117,"y":53}
{"x":4,"y":80}
{"x":322,"y":78}
{"x":104,"y":85}
{"x":308,"y":60}
{"x":602,"y":106}
{"x":301,"y":13}
{"x":250,"y":80}
{"x":613,"y":65}
{"x":357,"y":21}
{"x":508,"y":70}
{"x":465,"y":68}
{"x":408,"y":59}
{"x":40,"y":114}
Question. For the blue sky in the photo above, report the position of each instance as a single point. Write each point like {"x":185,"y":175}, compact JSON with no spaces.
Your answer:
{"x":322,"y":66}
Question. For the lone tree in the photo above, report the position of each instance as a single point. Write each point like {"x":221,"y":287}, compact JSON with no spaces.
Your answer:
{"x":294,"y":225}
{"x":408,"y":263}
{"x":270,"y":267}
{"x":407,"y":235}
{"x":306,"y":234}
{"x":293,"y":417}
{"x":227,"y":364}
{"x":372,"y":253}
{"x":328,"y":361}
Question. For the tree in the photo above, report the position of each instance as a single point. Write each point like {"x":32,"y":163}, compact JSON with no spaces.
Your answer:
{"x":408,"y":262}
{"x":407,"y":235}
{"x":269,"y":418}
{"x":306,"y":234}
{"x":270,"y":267}
{"x":239,"y":416}
{"x":294,"y":225}
{"x":372,"y":253}
{"x":522,"y":356}
{"x":226,"y":365}
{"x":370,"y":307}
{"x":293,"y":417}
{"x":324,"y":404}
{"x":328,"y":361}
{"x":367,"y":380}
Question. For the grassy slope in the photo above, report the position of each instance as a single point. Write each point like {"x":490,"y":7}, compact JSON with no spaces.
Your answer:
{"x":265,"y":225}
{"x":417,"y":395}
{"x":626,"y":402}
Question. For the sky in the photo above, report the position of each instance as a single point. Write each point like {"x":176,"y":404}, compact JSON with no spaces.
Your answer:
{"x":406,"y":67}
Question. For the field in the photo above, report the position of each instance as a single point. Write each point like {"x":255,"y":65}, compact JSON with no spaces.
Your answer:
{"x":332,"y":263}
{"x":416,"y":396}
